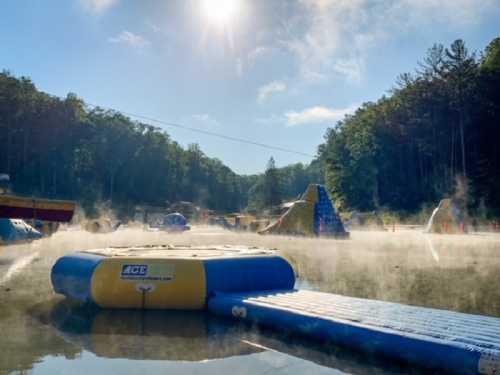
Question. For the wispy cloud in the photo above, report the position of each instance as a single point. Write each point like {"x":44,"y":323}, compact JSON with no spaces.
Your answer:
{"x":337,"y":36}
{"x":336,"y":41}
{"x":258,"y":53}
{"x":271,"y":88}
{"x":98,"y":6}
{"x":247,"y":61}
{"x":411,"y":14}
{"x":129,"y":38}
{"x":311,"y":115}
{"x":317,"y":115}
{"x":352,"y":69}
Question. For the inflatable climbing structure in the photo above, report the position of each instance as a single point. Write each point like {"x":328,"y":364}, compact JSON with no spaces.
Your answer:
{"x":312,"y":215}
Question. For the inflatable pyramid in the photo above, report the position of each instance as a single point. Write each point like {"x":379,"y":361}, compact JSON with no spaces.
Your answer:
{"x":312,"y":215}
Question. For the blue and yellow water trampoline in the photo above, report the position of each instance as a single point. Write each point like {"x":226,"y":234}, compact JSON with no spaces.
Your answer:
{"x":167,"y":277}
{"x":256,"y":286}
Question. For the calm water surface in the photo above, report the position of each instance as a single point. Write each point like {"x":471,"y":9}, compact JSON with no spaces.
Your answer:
{"x":41,"y":333}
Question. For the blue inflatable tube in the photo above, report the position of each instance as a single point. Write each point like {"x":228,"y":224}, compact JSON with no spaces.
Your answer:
{"x":250,"y":274}
{"x":72,"y":275}
{"x":429,"y":338}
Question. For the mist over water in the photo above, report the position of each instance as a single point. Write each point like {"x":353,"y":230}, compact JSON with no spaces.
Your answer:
{"x":457,"y":272}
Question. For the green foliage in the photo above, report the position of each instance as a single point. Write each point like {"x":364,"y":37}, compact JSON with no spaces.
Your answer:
{"x":491,"y":59}
{"x":278,"y":184}
{"x":272,"y":185}
{"x":405,"y":151}
{"x":349,"y":157}
{"x":59,"y":148}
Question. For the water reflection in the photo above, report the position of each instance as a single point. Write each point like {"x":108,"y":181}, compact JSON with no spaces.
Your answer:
{"x":177,"y":336}
{"x":149,"y":334}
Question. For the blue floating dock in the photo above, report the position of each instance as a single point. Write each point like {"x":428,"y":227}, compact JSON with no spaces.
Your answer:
{"x":437,"y":339}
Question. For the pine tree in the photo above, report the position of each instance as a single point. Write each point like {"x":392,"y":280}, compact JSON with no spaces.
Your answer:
{"x":272,"y":185}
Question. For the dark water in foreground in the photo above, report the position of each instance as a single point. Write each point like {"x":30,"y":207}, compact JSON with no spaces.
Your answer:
{"x":41,"y":333}
{"x":127,"y":342}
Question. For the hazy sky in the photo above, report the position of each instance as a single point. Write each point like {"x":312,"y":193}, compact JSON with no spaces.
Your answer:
{"x":272,"y":71}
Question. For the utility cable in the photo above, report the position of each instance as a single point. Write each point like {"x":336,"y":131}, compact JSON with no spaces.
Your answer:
{"x":206,"y":132}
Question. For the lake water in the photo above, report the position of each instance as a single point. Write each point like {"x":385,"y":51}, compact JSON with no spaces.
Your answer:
{"x":42,"y":333}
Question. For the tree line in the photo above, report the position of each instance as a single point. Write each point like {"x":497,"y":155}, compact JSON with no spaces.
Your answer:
{"x":437,"y":132}
{"x":61,"y":148}
{"x":275,"y":185}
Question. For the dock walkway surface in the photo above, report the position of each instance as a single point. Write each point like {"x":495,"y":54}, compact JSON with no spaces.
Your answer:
{"x":430,"y":338}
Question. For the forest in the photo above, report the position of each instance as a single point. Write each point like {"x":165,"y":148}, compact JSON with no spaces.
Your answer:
{"x":62,"y":148}
{"x":436,"y":135}
{"x":436,"y":132}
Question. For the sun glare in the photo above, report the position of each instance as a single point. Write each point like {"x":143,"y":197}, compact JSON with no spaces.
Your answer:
{"x":220,"y":13}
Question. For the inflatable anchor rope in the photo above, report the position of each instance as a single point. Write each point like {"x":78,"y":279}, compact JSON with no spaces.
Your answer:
{"x":144,"y":289}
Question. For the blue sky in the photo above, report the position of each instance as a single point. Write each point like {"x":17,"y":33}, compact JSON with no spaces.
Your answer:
{"x":272,"y":71}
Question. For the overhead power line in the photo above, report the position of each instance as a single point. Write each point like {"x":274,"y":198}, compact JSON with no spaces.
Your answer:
{"x":206,"y":132}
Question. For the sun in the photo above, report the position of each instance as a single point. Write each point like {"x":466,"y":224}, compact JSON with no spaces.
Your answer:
{"x":221,"y":13}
